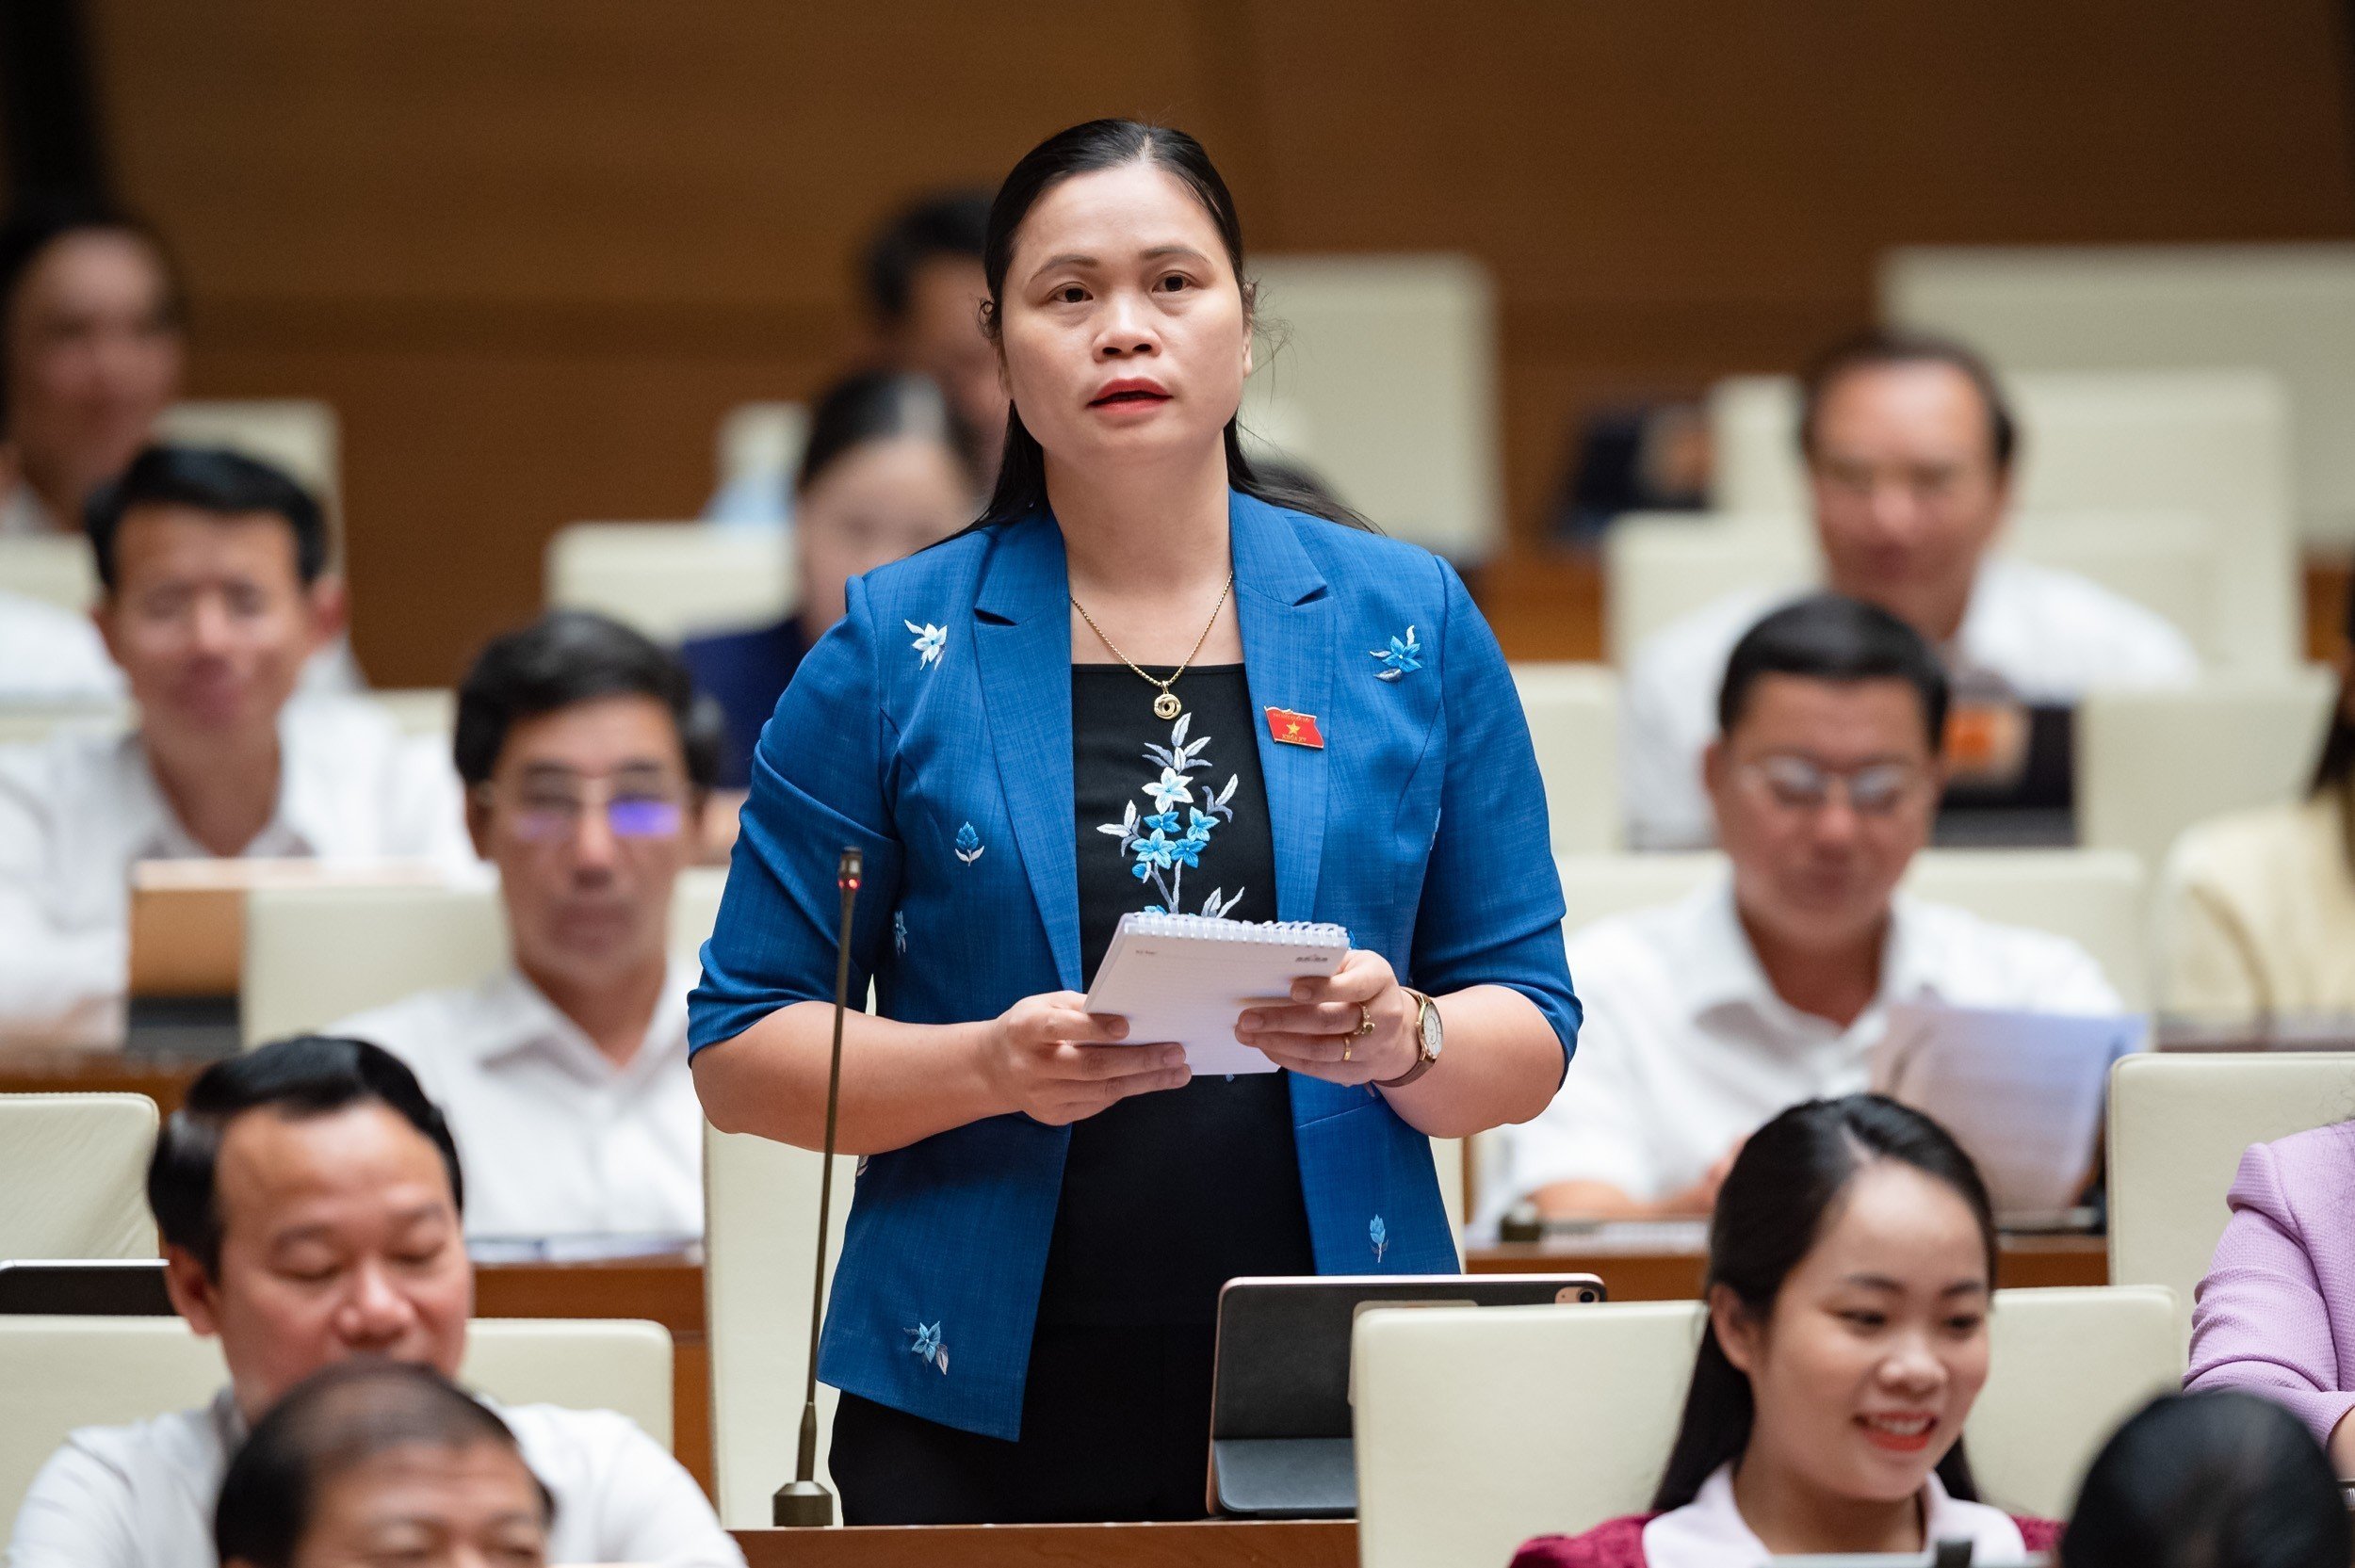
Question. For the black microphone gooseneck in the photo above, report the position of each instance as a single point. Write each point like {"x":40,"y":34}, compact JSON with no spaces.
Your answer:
{"x":805,"y":1500}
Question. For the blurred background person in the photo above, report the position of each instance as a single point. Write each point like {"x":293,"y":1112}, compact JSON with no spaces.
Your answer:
{"x":889,"y":469}
{"x":376,"y":1462}
{"x":90,"y":353}
{"x":2256,"y":910}
{"x":2208,"y":1480}
{"x":310,"y":1201}
{"x":587,"y":757}
{"x":1773,"y":984}
{"x":1910,"y":447}
{"x":92,"y":345}
{"x":920,"y":281}
{"x":211,"y":567}
{"x":1851,"y":1267}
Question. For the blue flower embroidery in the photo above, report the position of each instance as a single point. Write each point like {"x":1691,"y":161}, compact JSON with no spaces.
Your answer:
{"x":930,"y":642}
{"x":928,"y":1344}
{"x":900,"y":931}
{"x":1399,"y":658}
{"x":969,"y":844}
{"x":1163,"y":849}
{"x":1379,"y":1235}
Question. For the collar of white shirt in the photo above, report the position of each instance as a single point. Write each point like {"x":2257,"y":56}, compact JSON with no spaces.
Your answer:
{"x":1720,"y":969}
{"x":516,"y":1017}
{"x":314,"y":772}
{"x":1710,"y":1532}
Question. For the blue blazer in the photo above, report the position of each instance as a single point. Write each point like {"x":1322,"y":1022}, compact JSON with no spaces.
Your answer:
{"x":932,"y":728}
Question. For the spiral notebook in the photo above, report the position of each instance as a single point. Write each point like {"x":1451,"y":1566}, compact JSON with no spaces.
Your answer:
{"x":1188,"y":977}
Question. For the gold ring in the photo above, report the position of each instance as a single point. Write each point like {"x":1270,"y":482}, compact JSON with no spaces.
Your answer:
{"x":1365,"y":1022}
{"x":1345,"y":1053}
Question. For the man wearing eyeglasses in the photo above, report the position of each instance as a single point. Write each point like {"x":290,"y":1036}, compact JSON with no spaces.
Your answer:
{"x":1771,"y":983}
{"x":587,"y":757}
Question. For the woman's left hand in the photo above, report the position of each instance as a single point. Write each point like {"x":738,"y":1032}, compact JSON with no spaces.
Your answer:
{"x":1317,"y":1032}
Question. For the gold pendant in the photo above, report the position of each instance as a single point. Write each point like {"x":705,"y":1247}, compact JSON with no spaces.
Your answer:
{"x":1167,"y":706}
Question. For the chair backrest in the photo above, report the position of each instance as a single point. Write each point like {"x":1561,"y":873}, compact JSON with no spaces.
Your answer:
{"x":74,"y":1170}
{"x":1573,"y":713}
{"x":1659,"y":567}
{"x":2092,"y":897}
{"x":2150,"y":764}
{"x":298,"y":435}
{"x":672,"y":580}
{"x":2178,"y":1125}
{"x":314,"y":955}
{"x":64,"y":1373}
{"x":56,"y":569}
{"x":761,"y":442}
{"x":31,"y":724}
{"x":2213,"y":442}
{"x":760,"y":1239}
{"x":1476,"y":1430}
{"x":2288,"y":309}
{"x":1384,"y":381}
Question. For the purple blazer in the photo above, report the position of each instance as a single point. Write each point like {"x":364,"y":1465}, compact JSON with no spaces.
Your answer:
{"x":2276,"y":1314}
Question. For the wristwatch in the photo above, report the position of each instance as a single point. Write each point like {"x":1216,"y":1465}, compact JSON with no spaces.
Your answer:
{"x":1429,"y":1035}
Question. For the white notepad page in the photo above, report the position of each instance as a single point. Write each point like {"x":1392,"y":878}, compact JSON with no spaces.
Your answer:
{"x":1185,"y":978}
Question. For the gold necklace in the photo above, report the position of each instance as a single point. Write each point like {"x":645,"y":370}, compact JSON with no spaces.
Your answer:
{"x":1166,"y":706}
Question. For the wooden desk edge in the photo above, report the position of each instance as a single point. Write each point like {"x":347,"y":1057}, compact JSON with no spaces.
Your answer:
{"x":1209,"y":1543}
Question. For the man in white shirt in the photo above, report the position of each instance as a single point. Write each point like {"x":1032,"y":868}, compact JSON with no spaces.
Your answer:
{"x":1908,"y":445}
{"x":309,"y":1199}
{"x":211,"y":568}
{"x":587,"y":757}
{"x":1771,"y":985}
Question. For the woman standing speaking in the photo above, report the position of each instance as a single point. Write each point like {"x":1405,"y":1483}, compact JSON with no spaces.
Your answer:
{"x":1145,"y":679}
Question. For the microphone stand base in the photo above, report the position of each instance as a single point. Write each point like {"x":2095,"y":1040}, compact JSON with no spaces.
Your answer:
{"x":802,"y":1505}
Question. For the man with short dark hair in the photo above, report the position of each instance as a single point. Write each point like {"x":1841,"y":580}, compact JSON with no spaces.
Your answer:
{"x":1909,"y":449}
{"x":309,"y":1198}
{"x":212,"y":567}
{"x":1772,"y":984}
{"x":587,"y":758}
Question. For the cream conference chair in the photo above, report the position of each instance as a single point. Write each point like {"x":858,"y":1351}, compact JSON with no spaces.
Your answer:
{"x":2179,"y":1123}
{"x":63,"y":1373}
{"x":760,"y":1238}
{"x":74,"y":1170}
{"x":672,"y":580}
{"x":2288,"y":309}
{"x":2150,"y":764}
{"x":1383,"y":378}
{"x":1573,"y":713}
{"x":314,"y":955}
{"x":1477,"y":1429}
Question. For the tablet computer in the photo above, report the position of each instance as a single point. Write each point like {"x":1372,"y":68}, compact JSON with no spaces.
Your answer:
{"x":1281,"y":1444}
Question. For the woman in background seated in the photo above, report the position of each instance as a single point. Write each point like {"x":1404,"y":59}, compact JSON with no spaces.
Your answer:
{"x":1850,"y":1261}
{"x":887,"y":471}
{"x":2256,"y":910}
{"x":2276,"y":1314}
{"x":376,"y":1462}
{"x":2209,"y":1480}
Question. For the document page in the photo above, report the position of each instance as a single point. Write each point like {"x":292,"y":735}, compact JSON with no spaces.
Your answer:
{"x":2022,"y":1091}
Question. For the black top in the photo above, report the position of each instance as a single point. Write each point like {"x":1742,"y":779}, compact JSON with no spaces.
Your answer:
{"x":1166,"y":1196}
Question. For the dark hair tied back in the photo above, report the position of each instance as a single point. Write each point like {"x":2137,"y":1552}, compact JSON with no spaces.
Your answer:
{"x":1772,"y":1208}
{"x":1101,"y":144}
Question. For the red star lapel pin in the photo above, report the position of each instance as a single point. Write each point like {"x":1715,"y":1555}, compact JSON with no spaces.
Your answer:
{"x":1294,"y":729}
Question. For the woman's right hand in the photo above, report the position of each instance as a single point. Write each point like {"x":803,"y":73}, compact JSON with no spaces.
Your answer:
{"x":1051,"y":1059}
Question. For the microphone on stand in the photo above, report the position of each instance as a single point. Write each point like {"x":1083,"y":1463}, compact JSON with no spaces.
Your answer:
{"x":805,"y":1500}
